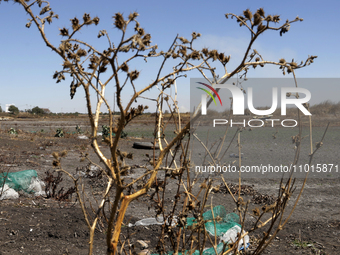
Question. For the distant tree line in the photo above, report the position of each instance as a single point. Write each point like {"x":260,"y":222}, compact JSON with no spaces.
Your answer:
{"x":12,"y":109}
{"x":38,"y":111}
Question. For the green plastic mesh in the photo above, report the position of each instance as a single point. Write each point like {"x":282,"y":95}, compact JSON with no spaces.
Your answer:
{"x":223,"y":221}
{"x":18,"y":180}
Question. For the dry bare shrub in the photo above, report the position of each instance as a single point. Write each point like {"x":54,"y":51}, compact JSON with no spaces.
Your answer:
{"x":326,"y":108}
{"x":84,"y":63}
{"x":53,"y":189}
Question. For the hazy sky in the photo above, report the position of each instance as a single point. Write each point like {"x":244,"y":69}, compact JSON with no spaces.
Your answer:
{"x":27,"y":65}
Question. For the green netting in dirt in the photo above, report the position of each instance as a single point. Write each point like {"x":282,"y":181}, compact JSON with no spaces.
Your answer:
{"x":18,"y":180}
{"x":223,"y":221}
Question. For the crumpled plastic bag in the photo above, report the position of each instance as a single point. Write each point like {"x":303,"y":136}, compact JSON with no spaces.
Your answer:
{"x":8,"y":193}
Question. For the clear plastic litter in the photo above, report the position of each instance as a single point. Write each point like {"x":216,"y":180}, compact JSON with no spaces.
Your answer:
{"x":8,"y":193}
{"x":84,"y":137}
{"x":231,"y":235}
{"x":36,"y":187}
{"x":153,"y":221}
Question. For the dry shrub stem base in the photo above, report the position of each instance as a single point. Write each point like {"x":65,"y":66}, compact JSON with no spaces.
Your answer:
{"x":85,"y":64}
